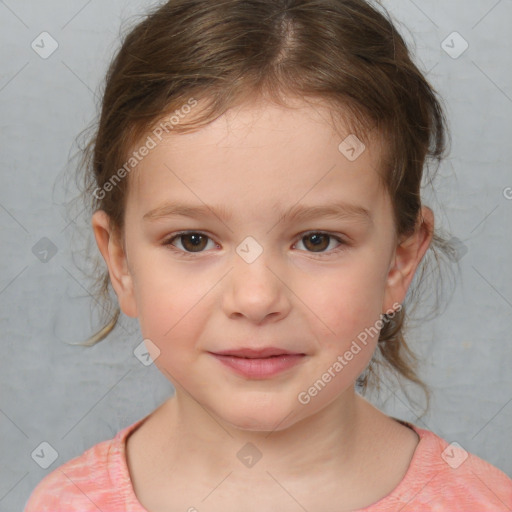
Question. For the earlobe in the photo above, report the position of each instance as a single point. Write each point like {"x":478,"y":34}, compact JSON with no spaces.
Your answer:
{"x":407,"y":257}
{"x":113,"y":252}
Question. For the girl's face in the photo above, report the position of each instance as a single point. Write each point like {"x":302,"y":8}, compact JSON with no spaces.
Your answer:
{"x":290,"y":245}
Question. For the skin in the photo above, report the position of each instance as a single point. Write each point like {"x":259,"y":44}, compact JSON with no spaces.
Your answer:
{"x":258,"y":161}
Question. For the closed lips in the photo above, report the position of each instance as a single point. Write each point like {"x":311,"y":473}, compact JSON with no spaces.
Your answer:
{"x":257,"y":353}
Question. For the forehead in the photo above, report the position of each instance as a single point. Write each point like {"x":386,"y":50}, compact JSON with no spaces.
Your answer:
{"x":258,"y":155}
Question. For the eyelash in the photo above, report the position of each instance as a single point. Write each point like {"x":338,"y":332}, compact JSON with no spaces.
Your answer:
{"x":168,"y":243}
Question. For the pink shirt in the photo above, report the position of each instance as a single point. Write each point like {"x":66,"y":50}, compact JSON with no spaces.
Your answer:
{"x":99,"y":480}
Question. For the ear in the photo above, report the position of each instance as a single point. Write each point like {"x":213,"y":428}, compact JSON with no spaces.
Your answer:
{"x":407,"y":257}
{"x":113,"y":252}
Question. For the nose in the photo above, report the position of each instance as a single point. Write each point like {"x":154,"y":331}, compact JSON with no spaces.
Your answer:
{"x":257,"y":290}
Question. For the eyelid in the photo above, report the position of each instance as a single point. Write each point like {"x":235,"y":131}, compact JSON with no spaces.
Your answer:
{"x":169,"y":239}
{"x":342,"y":241}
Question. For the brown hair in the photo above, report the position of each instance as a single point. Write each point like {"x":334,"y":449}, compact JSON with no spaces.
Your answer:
{"x":347,"y":52}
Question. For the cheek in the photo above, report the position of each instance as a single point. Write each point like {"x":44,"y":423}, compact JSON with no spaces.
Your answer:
{"x":346,"y":305}
{"x":171,"y":306}
{"x":346,"y":300}
{"x":174,"y":322}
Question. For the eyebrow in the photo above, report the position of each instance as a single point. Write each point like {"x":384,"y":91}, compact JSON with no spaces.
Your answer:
{"x":296,"y":214}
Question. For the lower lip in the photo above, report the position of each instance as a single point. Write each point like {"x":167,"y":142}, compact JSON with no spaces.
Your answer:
{"x":260,"y":368}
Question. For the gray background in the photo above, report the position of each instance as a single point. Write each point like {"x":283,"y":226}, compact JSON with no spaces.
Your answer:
{"x":73,"y":397}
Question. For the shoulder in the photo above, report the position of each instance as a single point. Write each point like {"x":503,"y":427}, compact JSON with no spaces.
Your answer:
{"x":90,"y":482}
{"x":80,"y":484}
{"x":444,"y":476}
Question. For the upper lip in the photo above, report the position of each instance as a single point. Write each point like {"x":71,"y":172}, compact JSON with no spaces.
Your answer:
{"x":255,"y":353}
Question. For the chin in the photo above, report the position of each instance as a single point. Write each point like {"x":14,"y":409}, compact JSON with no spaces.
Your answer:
{"x":259,"y":419}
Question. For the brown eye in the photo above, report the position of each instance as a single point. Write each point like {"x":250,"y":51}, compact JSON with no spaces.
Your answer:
{"x":190,"y":242}
{"x":194,"y":242}
{"x":317,"y":242}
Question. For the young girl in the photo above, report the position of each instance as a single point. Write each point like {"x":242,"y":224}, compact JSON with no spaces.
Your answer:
{"x":255,"y":181}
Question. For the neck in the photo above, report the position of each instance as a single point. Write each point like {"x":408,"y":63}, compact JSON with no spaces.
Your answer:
{"x":330,"y":439}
